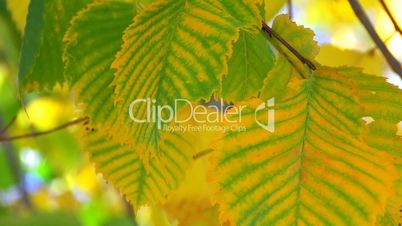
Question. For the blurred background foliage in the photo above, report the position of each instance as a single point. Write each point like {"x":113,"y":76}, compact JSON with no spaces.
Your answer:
{"x":48,"y":180}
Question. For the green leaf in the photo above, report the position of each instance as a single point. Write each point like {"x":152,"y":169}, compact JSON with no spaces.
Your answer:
{"x":41,"y":62}
{"x":90,"y":74}
{"x":322,"y":165}
{"x":174,"y":49}
{"x":92,"y":41}
{"x":277,"y":79}
{"x":250,"y":63}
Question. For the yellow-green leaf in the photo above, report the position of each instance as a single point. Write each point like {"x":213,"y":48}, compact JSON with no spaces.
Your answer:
{"x":318,"y":167}
{"x":19,"y":10}
{"x":90,"y":75}
{"x":174,"y":49}
{"x":272,"y":7}
{"x":41,"y":62}
{"x":250,"y":63}
{"x":92,"y":41}
{"x":124,"y":168}
{"x":299,"y":37}
{"x":277,"y":79}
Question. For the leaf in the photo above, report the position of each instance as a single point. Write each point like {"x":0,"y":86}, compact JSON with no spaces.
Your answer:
{"x":250,"y":63}
{"x":174,"y":49}
{"x":141,"y":184}
{"x":140,"y":181}
{"x":18,"y":11}
{"x":190,"y":204}
{"x":246,"y":12}
{"x":381,"y":102}
{"x":287,"y":66}
{"x":299,"y":37}
{"x":272,"y":7}
{"x":317,"y":168}
{"x":371,"y":62}
{"x":392,"y":216}
{"x":41,"y":62}
{"x":89,"y":53}
{"x":277,"y":79}
{"x":10,"y":39}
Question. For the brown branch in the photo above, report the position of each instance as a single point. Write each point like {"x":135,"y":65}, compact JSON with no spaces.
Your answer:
{"x":393,"y":63}
{"x":36,"y":134}
{"x":271,"y":33}
{"x":391,"y":17}
{"x":385,"y":41}
{"x":290,"y":9}
{"x":15,"y":168}
{"x":8,"y":125}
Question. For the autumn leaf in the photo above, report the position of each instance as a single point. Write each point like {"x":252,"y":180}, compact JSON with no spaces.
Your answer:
{"x":252,"y":59}
{"x":272,"y":7}
{"x":315,"y":168}
{"x":41,"y":64}
{"x":170,"y":52}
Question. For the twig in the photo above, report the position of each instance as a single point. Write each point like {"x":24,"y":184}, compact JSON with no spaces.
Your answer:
{"x":290,"y":9}
{"x":393,"y":63}
{"x":130,"y":211}
{"x":385,"y":41}
{"x":202,"y":153}
{"x":36,"y":134}
{"x":271,"y":33}
{"x":16,"y":171}
{"x":391,"y":17}
{"x":8,"y":125}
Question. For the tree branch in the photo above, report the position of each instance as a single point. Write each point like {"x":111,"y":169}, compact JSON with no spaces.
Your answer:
{"x":36,"y":134}
{"x":8,"y":125}
{"x":271,"y":33}
{"x":290,"y":9}
{"x":393,"y":63}
{"x":391,"y":17}
{"x":16,"y":171}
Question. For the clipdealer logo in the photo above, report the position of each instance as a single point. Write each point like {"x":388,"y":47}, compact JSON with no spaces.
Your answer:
{"x":200,"y":114}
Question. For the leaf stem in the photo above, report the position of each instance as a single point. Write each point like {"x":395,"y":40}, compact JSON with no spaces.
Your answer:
{"x":391,"y":17}
{"x":271,"y":33}
{"x":362,"y":16}
{"x":36,"y":134}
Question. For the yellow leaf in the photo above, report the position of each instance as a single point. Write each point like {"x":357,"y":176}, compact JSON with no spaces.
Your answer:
{"x":318,"y":167}
{"x":190,"y":204}
{"x":371,"y":62}
{"x":272,"y":7}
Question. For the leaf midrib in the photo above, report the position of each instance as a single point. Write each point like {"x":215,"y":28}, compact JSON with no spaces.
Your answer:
{"x":308,"y":88}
